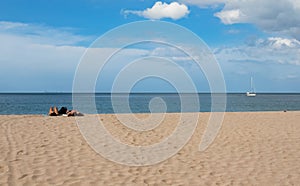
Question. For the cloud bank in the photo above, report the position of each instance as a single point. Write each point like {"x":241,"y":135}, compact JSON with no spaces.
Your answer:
{"x":161,"y":10}
{"x":41,"y":58}
{"x":36,"y":58}
{"x":273,"y":50}
{"x":282,"y":16}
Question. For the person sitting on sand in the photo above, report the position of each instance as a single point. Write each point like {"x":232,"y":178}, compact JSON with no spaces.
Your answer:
{"x":54,"y":112}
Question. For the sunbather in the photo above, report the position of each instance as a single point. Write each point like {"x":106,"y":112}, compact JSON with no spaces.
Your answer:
{"x":74,"y":113}
{"x":54,"y":112}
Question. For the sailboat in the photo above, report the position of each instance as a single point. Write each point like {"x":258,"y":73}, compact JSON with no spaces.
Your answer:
{"x":252,"y":92}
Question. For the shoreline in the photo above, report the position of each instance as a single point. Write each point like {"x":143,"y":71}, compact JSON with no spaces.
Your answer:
{"x":271,"y":111}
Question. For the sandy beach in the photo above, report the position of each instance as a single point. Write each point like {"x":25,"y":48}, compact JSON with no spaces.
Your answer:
{"x":252,"y":148}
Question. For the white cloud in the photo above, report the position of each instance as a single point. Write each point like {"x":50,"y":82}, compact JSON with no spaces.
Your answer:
{"x":274,"y":50}
{"x":279,"y":43}
{"x":282,"y":16}
{"x":230,"y":16}
{"x":161,"y":10}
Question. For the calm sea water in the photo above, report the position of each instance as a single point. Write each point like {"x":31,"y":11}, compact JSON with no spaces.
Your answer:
{"x":39,"y":103}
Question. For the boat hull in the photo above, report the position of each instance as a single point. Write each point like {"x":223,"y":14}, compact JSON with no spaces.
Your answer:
{"x":251,"y":94}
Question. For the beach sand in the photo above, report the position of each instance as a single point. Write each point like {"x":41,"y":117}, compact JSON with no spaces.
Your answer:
{"x":257,"y":148}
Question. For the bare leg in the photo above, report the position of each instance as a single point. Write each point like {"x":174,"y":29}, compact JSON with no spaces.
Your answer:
{"x":56,"y":111}
{"x":51,"y":112}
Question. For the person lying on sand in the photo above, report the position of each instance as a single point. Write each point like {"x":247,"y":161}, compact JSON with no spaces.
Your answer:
{"x":54,"y":112}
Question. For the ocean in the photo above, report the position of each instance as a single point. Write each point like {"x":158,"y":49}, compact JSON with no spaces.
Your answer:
{"x":39,"y":103}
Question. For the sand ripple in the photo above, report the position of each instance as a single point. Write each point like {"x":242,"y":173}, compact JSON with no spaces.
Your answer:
{"x":251,"y":149}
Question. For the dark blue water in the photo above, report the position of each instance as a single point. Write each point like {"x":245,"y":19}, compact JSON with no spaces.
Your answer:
{"x":39,"y":103}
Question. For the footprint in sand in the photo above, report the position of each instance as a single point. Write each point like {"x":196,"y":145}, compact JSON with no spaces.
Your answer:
{"x":23,"y":176}
{"x":20,"y":152}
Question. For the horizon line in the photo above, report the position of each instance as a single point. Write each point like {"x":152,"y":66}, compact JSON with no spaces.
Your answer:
{"x":140,"y":92}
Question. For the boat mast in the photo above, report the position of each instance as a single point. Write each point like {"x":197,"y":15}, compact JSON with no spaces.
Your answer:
{"x":251,"y":83}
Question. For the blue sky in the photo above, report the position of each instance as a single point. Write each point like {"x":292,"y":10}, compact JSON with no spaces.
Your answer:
{"x":42,"y":42}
